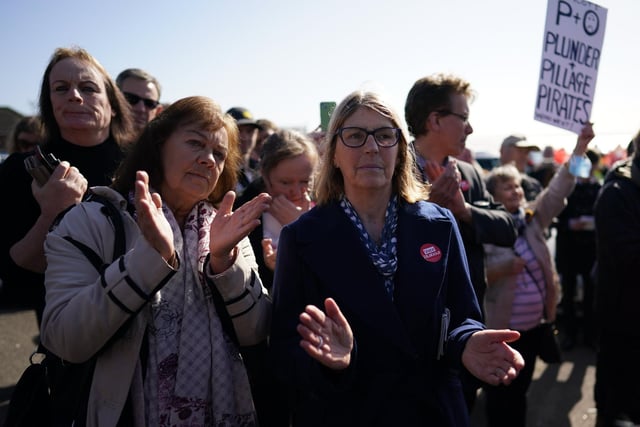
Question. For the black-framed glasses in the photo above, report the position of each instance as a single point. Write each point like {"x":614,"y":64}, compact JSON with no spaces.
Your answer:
{"x":463,"y":117}
{"x":355,"y":137}
{"x":133,"y":99}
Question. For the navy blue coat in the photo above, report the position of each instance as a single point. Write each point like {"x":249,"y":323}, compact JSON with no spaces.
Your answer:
{"x":395,"y":377}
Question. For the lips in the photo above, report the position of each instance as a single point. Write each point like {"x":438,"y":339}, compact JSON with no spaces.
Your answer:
{"x":201,"y":175}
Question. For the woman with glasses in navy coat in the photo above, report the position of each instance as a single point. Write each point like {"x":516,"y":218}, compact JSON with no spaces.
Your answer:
{"x":375,"y":318}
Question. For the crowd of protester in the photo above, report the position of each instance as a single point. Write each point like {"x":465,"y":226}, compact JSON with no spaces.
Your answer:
{"x":369,"y":275}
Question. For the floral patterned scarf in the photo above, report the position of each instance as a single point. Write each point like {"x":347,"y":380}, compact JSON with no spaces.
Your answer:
{"x":195,"y":375}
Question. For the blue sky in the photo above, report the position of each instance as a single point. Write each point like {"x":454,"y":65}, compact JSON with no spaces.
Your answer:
{"x":280,"y":59}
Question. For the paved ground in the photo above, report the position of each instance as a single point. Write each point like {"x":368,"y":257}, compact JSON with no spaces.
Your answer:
{"x":560,"y":396}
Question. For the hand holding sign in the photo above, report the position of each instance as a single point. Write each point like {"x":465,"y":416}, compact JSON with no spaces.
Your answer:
{"x":570,"y":59}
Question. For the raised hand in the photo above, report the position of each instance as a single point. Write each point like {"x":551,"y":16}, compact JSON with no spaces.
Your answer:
{"x":326,"y":336}
{"x":229,"y":227}
{"x":151,"y":220}
{"x":585,"y":137}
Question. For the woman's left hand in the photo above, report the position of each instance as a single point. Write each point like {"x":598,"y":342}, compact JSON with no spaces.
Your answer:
{"x":229,"y":227}
{"x":489,"y":358}
{"x":326,"y":337}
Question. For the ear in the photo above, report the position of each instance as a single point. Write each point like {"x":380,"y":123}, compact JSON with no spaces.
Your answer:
{"x":433,"y":121}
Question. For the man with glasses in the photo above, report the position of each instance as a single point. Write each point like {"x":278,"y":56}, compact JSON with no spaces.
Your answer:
{"x":437,"y":114}
{"x":142,"y":90}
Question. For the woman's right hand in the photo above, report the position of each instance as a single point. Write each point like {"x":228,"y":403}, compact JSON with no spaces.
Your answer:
{"x":151,"y":220}
{"x":285,"y":211}
{"x":65,"y":188}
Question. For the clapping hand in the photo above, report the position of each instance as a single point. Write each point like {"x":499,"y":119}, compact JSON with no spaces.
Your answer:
{"x":445,"y":189}
{"x":489,"y":358}
{"x":326,"y":336}
{"x":151,"y":220}
{"x":229,"y":227}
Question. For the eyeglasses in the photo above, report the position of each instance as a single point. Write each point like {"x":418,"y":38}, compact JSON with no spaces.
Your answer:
{"x":355,"y":137}
{"x":133,"y":99}
{"x":463,"y":117}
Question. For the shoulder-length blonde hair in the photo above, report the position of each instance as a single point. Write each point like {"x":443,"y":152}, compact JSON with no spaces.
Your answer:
{"x":330,"y":182}
{"x":146,"y":154}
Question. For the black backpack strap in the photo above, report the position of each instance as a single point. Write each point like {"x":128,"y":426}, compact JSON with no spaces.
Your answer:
{"x":114,"y":214}
{"x":119,"y":244}
{"x":91,"y":255}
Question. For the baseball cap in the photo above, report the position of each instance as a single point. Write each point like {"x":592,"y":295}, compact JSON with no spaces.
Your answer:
{"x":243,"y":117}
{"x":520,"y":141}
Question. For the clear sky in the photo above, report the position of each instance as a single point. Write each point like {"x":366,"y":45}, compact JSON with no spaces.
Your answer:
{"x":281,"y":58}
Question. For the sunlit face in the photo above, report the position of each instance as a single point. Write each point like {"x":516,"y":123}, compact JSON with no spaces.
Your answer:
{"x":79,"y":98}
{"x":368,"y":167}
{"x":291,"y":178}
{"x":510,"y":194}
{"x":142,"y":114}
{"x":193,"y":159}
{"x":454,"y":127}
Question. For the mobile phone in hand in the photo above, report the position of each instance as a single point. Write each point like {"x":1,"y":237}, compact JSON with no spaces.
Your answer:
{"x":41,"y":165}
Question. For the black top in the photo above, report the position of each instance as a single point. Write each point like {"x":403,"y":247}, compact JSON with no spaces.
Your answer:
{"x":20,"y":210}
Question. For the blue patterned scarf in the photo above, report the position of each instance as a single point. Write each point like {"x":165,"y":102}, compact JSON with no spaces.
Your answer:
{"x":384,"y":256}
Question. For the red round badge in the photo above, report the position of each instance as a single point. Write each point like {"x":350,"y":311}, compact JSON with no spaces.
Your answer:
{"x":464,"y":185}
{"x":430,"y":252}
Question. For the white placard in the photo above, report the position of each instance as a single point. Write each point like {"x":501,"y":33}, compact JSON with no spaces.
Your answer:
{"x":571,"y":53}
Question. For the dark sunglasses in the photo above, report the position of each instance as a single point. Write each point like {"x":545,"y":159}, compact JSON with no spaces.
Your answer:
{"x":133,"y":99}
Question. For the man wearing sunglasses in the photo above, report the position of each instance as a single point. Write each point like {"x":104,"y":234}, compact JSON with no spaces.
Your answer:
{"x":142,"y":91}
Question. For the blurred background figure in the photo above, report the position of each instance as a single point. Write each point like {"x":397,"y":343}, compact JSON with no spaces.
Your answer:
{"x":248,"y":128}
{"x":287,"y":169}
{"x":545,"y":170}
{"x":266,"y":129}
{"x":523,"y":288}
{"x":26,"y":134}
{"x":468,"y":156}
{"x":515,"y":149}
{"x":617,"y":220}
{"x":142,"y":91}
{"x":575,"y":257}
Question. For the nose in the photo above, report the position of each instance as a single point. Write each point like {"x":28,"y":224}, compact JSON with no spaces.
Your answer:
{"x":207,"y":158}
{"x":298,"y":191}
{"x":370,"y":143}
{"x":469,"y":128}
{"x":74,"y":94}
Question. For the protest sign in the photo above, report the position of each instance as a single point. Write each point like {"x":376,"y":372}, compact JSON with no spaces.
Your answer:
{"x":571,"y":53}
